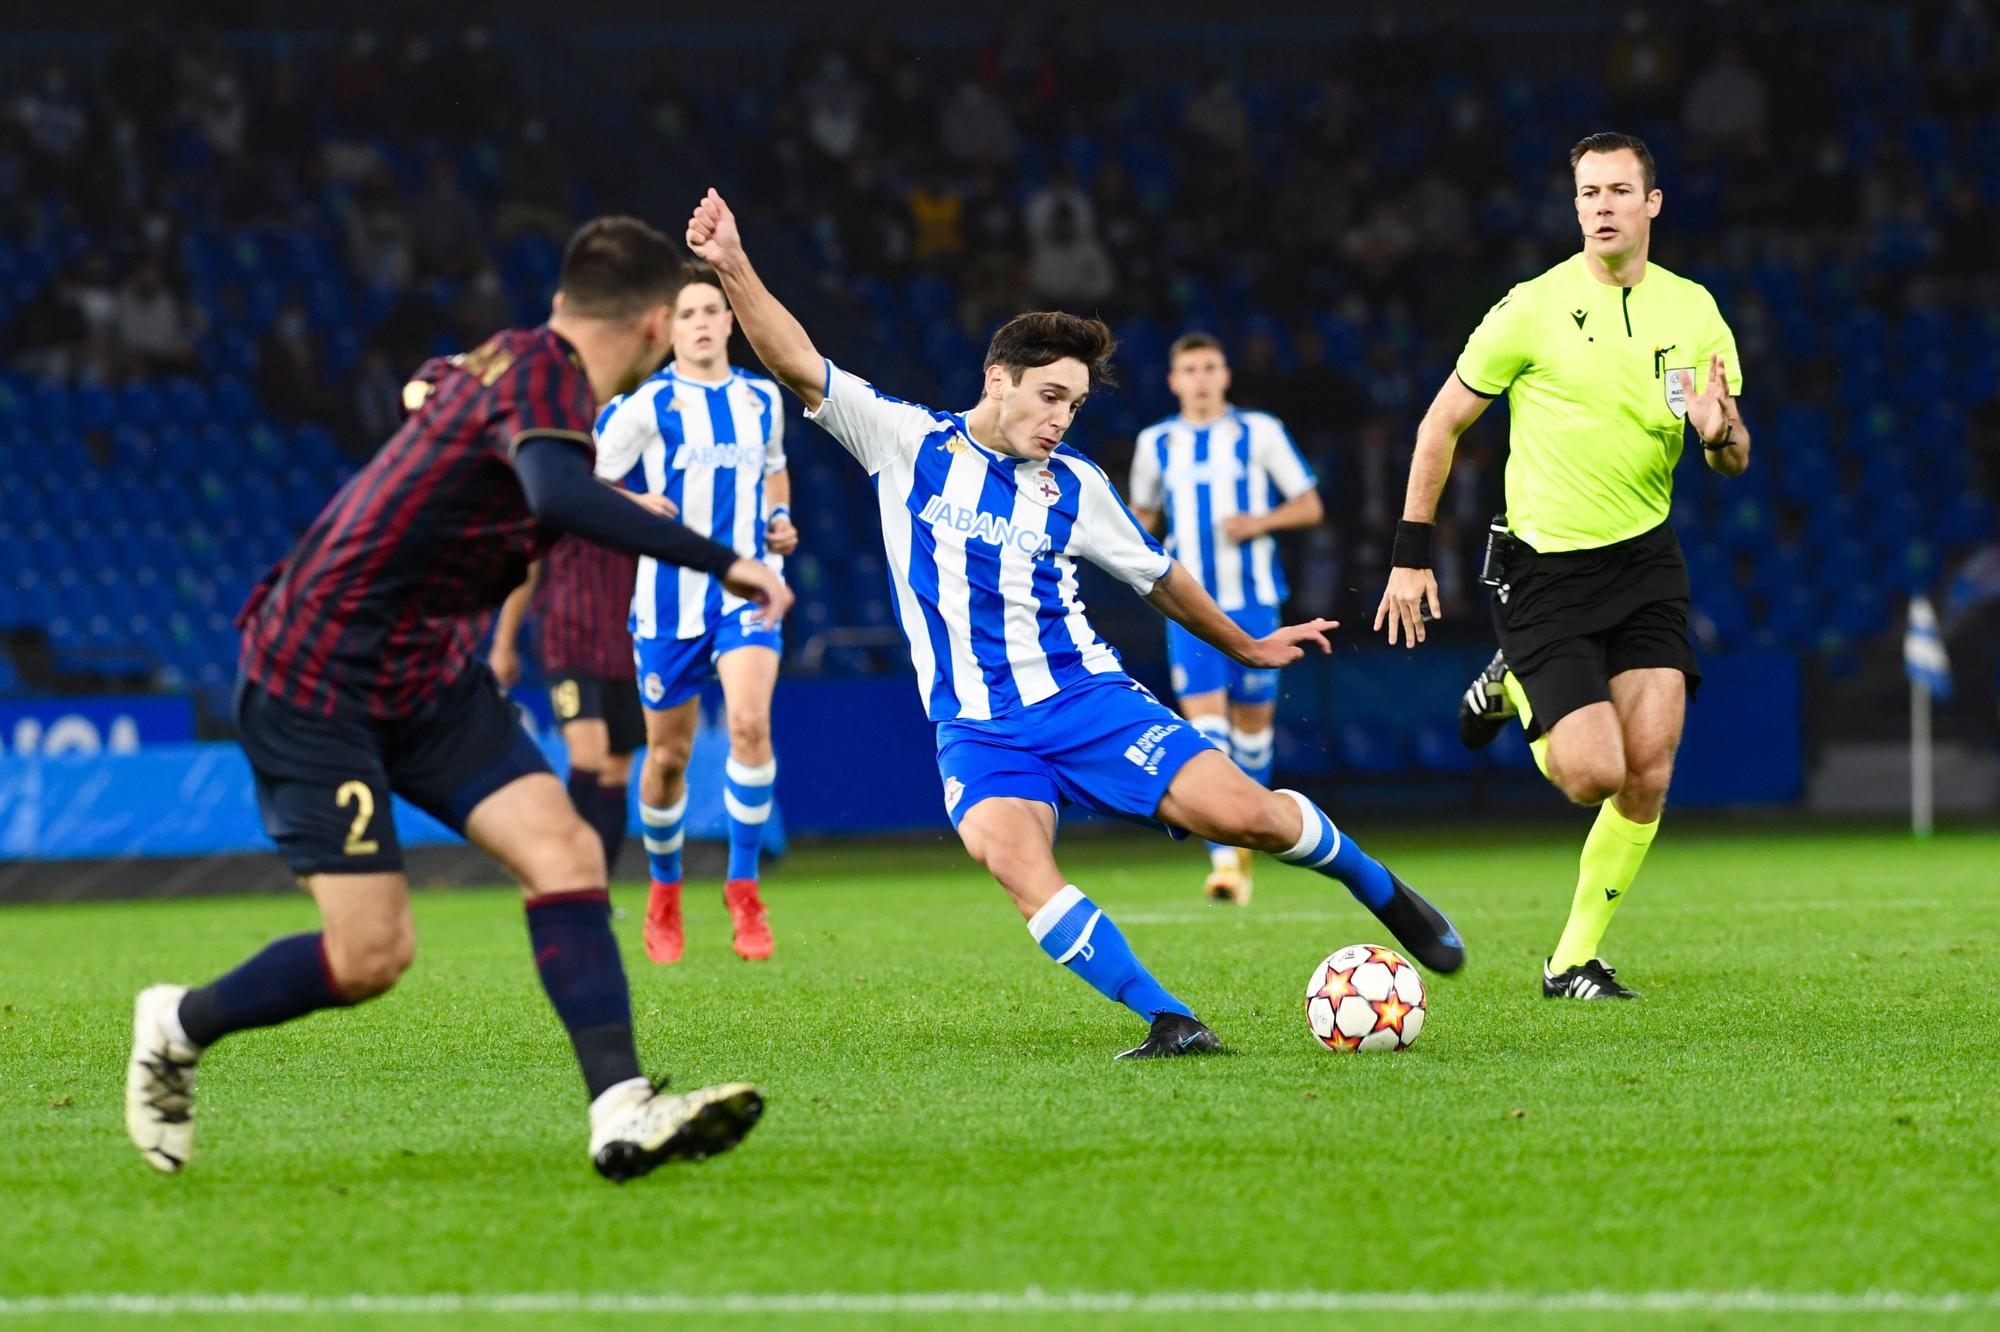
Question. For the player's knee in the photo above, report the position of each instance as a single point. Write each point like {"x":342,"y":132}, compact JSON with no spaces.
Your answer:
{"x":668,"y":758}
{"x":1267,"y":822}
{"x":1591,"y":782}
{"x":366,"y":967}
{"x":1646,"y":783}
{"x":749,"y":731}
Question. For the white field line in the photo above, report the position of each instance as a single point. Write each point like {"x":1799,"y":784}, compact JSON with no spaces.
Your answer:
{"x":1660,"y":905}
{"x":1030,"y":1301}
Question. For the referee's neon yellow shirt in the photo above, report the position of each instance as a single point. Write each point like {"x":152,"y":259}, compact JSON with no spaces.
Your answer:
{"x":1597,"y":380}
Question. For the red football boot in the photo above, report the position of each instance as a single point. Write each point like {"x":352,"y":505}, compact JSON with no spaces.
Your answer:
{"x":663,"y":934}
{"x":748,"y":919}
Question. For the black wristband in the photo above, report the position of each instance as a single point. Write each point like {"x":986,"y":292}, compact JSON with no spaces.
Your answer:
{"x":1728,"y":438}
{"x":1412,"y":547}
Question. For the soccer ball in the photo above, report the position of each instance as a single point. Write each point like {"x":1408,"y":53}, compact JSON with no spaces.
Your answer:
{"x":1365,"y":998}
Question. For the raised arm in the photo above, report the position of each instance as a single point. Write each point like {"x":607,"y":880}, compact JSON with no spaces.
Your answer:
{"x":778,"y":338}
{"x":1412,"y":585}
{"x":1725,"y":440}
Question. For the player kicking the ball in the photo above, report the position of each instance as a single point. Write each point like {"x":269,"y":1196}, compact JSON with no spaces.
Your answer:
{"x":358,"y":682}
{"x":984,"y":515}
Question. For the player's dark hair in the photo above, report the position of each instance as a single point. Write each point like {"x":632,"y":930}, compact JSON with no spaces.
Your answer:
{"x":1196,"y":341}
{"x":617,"y":268}
{"x":693,"y":272}
{"x":1044,"y":337}
{"x":1608,"y":142}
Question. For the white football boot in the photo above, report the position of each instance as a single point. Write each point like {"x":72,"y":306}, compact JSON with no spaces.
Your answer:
{"x":159,"y":1081}
{"x":635,"y":1126}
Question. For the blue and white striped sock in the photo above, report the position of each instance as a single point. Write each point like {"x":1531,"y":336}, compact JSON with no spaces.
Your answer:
{"x":663,"y":829}
{"x":1071,"y":929}
{"x":1216,"y":727}
{"x":746,"y":793}
{"x":1253,"y":752}
{"x":1321,"y":847}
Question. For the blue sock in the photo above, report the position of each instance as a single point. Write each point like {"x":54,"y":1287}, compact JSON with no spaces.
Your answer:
{"x":1321,"y":847}
{"x":289,"y":979}
{"x":577,"y":955}
{"x":1253,"y":751}
{"x":746,"y":793}
{"x":1216,"y":727}
{"x":663,"y":836}
{"x":1078,"y":936}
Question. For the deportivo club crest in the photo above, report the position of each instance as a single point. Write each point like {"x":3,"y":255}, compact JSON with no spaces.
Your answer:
{"x":1680,"y":387}
{"x":1038,"y":484}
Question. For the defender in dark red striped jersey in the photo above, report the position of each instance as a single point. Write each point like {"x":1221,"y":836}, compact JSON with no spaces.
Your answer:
{"x":581,"y":594}
{"x":359,"y":683}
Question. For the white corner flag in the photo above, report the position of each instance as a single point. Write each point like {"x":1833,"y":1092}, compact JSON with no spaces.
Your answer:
{"x":1929,"y":669}
{"x":1924,"y":659}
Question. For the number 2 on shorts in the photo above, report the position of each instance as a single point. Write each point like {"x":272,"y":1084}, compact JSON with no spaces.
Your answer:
{"x":357,"y":794}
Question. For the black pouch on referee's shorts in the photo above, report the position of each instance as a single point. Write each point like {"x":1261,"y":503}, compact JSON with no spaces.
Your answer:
{"x":1500,"y":545}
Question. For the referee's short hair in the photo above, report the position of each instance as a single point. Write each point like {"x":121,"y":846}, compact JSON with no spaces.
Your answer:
{"x":1608,"y":142}
{"x":618,"y":268}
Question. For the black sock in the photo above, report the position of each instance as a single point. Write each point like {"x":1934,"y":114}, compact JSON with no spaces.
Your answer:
{"x":577,"y":956}
{"x":289,"y":979}
{"x":614,"y":815}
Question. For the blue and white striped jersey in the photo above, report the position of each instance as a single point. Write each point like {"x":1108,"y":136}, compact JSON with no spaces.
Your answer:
{"x":708,"y":448}
{"x":1242,"y":462}
{"x":982,"y":552}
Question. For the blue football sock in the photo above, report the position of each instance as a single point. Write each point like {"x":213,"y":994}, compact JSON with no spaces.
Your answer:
{"x":1321,"y":847}
{"x":746,"y":793}
{"x":1253,"y":752}
{"x":289,"y":979}
{"x":1078,"y":936}
{"x":577,"y":956}
{"x":662,"y":829}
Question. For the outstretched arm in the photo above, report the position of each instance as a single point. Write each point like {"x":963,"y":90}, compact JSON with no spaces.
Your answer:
{"x":778,"y":338}
{"x":1412,"y":585}
{"x":1181,"y":598}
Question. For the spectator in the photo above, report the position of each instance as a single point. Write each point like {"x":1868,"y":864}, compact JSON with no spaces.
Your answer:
{"x":1216,"y":115}
{"x":1728,"y":107}
{"x":1067,"y":265}
{"x":290,"y":381}
{"x":377,"y":400}
{"x":483,"y":308}
{"x":534,"y":187}
{"x":1645,"y":65}
{"x":52,"y":116}
{"x":152,"y":326}
{"x":445,"y":225}
{"x":836,"y":107}
{"x":1060,"y":193}
{"x":975,"y":128}
{"x":380,"y":238}
{"x":937,"y":219}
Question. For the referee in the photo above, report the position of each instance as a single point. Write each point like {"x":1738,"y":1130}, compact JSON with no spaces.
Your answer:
{"x":1605,"y":359}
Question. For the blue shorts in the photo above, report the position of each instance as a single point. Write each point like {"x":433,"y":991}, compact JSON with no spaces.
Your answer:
{"x":1201,"y":669}
{"x":1107,"y":746}
{"x":673,"y":670}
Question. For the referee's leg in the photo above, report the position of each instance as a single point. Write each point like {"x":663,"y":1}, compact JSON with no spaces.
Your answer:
{"x":1647,"y":709}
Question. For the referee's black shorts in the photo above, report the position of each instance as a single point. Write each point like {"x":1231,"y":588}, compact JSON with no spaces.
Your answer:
{"x":1571,"y":620}
{"x":613,"y":700}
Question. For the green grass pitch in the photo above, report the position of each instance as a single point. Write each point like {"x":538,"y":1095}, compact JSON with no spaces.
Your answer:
{"x":1798,"y":1127}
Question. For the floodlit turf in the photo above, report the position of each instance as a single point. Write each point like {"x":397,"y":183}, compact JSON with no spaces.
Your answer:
{"x":1805,"y":1104}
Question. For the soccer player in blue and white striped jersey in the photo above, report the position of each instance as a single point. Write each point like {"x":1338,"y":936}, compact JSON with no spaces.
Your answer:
{"x":984,"y":516}
{"x":1223,"y":480}
{"x":710,"y":440}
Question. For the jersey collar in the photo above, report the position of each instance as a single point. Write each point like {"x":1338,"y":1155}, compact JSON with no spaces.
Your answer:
{"x":692,"y":382}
